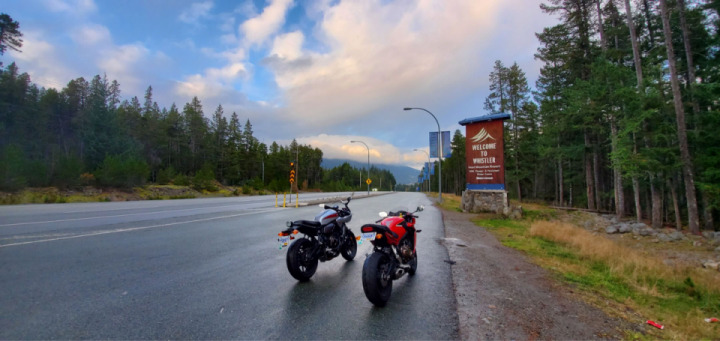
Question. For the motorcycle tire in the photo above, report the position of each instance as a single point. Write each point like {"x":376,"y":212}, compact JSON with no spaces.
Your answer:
{"x":413,"y":265}
{"x":301,"y":265}
{"x":377,"y":283}
{"x":349,"y":249}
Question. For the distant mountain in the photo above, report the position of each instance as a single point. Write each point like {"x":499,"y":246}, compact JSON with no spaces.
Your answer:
{"x":403,"y":174}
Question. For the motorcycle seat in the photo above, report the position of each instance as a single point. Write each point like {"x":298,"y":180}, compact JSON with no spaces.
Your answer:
{"x":308,"y":223}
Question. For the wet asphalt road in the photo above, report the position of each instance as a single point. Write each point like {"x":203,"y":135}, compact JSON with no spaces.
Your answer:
{"x":205,"y":269}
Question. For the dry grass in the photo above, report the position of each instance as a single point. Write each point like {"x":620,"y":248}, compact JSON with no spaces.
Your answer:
{"x":673,"y":294}
{"x":621,"y":260}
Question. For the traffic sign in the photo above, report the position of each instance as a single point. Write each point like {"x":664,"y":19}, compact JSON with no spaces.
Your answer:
{"x":368,"y":181}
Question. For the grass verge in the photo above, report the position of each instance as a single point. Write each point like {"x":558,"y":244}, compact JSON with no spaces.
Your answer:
{"x":616,"y":278}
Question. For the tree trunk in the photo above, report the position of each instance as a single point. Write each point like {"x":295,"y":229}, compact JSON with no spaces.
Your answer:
{"x":656,"y":198}
{"x":561,"y":182}
{"x":596,"y":174}
{"x":676,"y":205}
{"x":635,"y":47}
{"x":570,"y":195}
{"x":636,"y":191}
{"x":641,"y":91}
{"x":648,"y":20}
{"x":707,"y":213}
{"x":693,"y":217}
{"x":590,"y":184}
{"x":617,"y":174}
{"x":689,"y":59}
{"x":601,"y":29}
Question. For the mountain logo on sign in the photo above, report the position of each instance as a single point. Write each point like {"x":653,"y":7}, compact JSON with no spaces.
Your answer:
{"x":482,"y":136}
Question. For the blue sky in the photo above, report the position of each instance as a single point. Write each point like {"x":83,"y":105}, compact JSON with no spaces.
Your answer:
{"x":324,"y":72}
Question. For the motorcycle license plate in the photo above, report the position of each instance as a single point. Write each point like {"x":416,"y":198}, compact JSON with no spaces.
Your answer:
{"x":284,"y":241}
{"x":367,"y":236}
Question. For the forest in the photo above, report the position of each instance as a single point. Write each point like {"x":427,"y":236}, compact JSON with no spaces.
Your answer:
{"x":624,"y":117}
{"x":84,"y":135}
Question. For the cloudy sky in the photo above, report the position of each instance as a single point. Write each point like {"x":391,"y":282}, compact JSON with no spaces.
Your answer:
{"x":324,"y":72}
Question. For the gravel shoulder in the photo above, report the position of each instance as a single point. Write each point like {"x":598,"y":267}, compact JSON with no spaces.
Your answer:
{"x":501,"y":295}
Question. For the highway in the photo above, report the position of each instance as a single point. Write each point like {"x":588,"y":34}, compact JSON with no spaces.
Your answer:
{"x":206,"y":269}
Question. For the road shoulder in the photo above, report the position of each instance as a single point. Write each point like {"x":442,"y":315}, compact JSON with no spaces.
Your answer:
{"x":501,"y":295}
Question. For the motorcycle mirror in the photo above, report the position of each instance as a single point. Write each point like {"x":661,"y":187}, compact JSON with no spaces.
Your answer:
{"x":420,"y":208}
{"x":321,"y":205}
{"x":382,"y":214}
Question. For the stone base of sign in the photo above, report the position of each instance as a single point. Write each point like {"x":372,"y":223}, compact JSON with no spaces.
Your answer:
{"x":495,"y":201}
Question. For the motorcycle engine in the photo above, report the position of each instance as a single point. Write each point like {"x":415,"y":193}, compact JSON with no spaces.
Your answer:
{"x":332,"y":235}
{"x":406,"y":251}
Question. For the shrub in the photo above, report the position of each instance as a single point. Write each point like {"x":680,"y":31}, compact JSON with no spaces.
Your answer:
{"x":121,"y":171}
{"x":181,"y":180}
{"x":87,"y":179}
{"x":69,"y":173}
{"x":12,"y":169}
{"x":205,"y":179}
{"x":165,"y":176}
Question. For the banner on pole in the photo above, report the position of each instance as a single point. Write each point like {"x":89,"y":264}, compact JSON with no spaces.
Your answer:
{"x":446,"y":148}
{"x":430,"y":166}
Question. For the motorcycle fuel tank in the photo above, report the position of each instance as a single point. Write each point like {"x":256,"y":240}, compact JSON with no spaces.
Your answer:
{"x":394,"y":224}
{"x":326,"y":217}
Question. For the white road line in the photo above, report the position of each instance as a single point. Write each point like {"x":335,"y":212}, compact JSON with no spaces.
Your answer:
{"x":132,"y":229}
{"x":110,"y":216}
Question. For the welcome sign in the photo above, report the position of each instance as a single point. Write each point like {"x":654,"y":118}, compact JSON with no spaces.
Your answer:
{"x":485,"y":152}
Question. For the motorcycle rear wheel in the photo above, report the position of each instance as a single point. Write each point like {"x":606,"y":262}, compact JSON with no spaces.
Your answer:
{"x":349,"y":248}
{"x":300,"y":263}
{"x":376,"y":279}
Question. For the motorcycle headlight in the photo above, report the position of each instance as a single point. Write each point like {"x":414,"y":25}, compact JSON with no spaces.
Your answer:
{"x":289,"y":223}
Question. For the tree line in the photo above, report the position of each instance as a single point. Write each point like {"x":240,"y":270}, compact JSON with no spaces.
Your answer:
{"x":85,"y":135}
{"x":624,"y":117}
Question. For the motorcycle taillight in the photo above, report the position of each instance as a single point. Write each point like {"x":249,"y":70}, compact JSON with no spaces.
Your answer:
{"x":367,"y":229}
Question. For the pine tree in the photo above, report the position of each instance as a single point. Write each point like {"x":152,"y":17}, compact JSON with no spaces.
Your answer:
{"x":10,"y":35}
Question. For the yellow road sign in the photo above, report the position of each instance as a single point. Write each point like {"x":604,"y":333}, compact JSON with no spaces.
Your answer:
{"x":368,"y":181}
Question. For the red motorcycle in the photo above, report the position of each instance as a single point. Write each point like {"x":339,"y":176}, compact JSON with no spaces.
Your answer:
{"x":393,"y":256}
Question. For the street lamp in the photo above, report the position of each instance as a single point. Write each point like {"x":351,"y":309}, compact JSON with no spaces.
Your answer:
{"x":428,"y":155}
{"x":439,"y":146}
{"x":368,"y":150}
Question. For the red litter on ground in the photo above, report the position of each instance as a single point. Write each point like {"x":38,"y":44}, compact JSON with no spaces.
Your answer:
{"x":652,"y":323}
{"x":712,"y":319}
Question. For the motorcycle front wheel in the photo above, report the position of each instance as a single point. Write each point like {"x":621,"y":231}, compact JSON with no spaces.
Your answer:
{"x":413,"y":265}
{"x":376,"y":279}
{"x":300,"y":262}
{"x":349,"y":248}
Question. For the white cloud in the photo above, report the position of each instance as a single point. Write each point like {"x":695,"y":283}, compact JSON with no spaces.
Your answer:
{"x":384,"y":54}
{"x":381,"y":152}
{"x":288,"y":46}
{"x":91,"y":34}
{"x":197,"y":11}
{"x":124,"y":64}
{"x":76,"y":7}
{"x":39,"y":59}
{"x":256,"y":30}
{"x":215,"y":83}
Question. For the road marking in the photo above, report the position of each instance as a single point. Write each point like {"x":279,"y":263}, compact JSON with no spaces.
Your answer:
{"x":133,"y":229}
{"x":111,"y":216}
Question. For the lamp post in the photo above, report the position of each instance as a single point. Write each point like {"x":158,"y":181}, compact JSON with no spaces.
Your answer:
{"x":439,"y":145}
{"x":428,"y":155}
{"x":368,"y":171}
